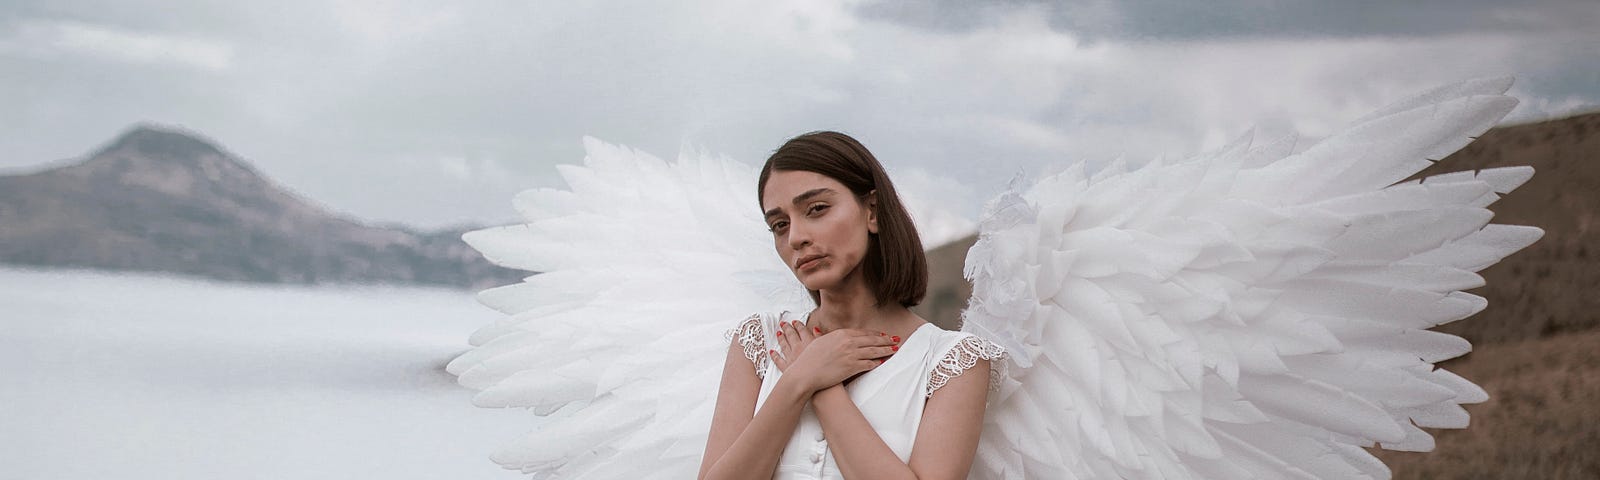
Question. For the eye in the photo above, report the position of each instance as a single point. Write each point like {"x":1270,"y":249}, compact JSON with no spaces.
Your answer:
{"x":778,"y":225}
{"x":817,"y":208}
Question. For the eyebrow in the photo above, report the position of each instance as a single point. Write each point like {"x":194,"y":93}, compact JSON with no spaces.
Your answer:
{"x":801,"y":198}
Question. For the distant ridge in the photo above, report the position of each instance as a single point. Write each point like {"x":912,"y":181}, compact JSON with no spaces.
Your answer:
{"x":158,"y":198}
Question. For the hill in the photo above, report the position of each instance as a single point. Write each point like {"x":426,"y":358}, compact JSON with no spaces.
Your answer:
{"x":1547,"y":288}
{"x":160,"y":199}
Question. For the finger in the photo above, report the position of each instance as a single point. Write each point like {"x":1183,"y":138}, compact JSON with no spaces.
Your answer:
{"x":783,"y":339}
{"x":874,"y":336}
{"x":802,"y":336}
{"x":791,"y":337}
{"x":874,"y":340}
{"x":880,"y":352}
{"x":807,"y":333}
{"x":793,"y":330}
{"x":777,"y":360}
{"x":874,"y":352}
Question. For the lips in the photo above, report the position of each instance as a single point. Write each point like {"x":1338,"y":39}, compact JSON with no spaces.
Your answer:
{"x":806,"y":261}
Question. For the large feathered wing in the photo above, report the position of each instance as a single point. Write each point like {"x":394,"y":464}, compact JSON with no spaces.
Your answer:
{"x":617,"y":342}
{"x":1252,"y":313}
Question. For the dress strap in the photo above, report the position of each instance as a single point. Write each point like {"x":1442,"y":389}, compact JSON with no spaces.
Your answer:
{"x":964,"y":354}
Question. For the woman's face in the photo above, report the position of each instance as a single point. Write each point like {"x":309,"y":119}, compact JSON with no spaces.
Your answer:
{"x":818,"y":226}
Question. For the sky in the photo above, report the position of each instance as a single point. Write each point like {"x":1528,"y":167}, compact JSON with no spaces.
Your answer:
{"x":436,"y":113}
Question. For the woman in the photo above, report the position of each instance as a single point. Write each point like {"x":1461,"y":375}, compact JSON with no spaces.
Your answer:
{"x":860,"y":387}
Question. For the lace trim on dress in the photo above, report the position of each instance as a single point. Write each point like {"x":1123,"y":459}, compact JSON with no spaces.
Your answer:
{"x":754,"y":341}
{"x":963,"y":356}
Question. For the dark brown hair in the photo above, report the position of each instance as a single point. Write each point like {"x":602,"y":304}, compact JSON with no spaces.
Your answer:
{"x":895,"y":266}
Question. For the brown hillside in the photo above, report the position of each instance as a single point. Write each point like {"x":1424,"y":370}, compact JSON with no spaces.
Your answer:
{"x":1548,"y":287}
{"x":947,"y":289}
{"x":1539,"y":422}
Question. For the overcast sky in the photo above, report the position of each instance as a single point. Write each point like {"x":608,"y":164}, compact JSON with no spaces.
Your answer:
{"x":434,"y":113}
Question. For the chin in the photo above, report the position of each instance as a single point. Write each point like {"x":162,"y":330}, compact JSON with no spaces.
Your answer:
{"x":820,"y":279}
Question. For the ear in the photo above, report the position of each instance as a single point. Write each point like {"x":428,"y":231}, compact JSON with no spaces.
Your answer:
{"x":872,"y":211}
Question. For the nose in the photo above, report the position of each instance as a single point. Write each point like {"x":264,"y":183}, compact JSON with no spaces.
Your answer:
{"x":799,"y":236}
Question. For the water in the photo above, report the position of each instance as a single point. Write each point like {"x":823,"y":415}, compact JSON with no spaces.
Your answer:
{"x":147,"y":376}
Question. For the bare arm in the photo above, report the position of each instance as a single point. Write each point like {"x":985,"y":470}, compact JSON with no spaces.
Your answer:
{"x":740,"y":444}
{"x":946,"y":442}
{"x":743,"y":441}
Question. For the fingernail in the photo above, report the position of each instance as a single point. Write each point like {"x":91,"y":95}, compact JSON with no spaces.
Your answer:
{"x":896,"y":338}
{"x":894,"y":348}
{"x":881,"y":334}
{"x":780,"y":334}
{"x":773,"y":352}
{"x":880,"y":361}
{"x":816,"y":329}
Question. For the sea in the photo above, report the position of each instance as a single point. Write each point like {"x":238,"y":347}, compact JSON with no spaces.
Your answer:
{"x":129,"y":375}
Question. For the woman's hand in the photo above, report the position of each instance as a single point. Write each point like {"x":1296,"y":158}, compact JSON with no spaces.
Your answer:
{"x":821,"y":360}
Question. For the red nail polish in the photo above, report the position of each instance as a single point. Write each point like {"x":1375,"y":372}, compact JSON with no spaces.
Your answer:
{"x":780,"y":334}
{"x":896,"y":338}
{"x":816,"y":329}
{"x":894,"y":348}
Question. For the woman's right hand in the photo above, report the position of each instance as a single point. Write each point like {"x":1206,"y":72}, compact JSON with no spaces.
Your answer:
{"x":822,"y":361}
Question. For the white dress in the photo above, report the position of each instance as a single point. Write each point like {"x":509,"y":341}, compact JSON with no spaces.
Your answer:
{"x":890,"y":396}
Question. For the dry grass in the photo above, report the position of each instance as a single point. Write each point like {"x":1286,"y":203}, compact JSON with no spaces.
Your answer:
{"x":1541,"y":419}
{"x":1548,"y":288}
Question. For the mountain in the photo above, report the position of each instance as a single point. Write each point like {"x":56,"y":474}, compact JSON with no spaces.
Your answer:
{"x":1540,"y":291}
{"x":161,"y":199}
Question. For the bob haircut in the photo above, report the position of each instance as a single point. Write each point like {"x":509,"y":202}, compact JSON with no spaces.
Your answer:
{"x":895,"y":266}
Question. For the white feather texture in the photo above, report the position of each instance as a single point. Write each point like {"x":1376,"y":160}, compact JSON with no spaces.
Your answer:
{"x":1245,"y":314}
{"x":619,"y":342}
{"x":1251,"y":313}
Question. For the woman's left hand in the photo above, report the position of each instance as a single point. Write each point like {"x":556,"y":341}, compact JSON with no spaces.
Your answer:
{"x":793,"y":337}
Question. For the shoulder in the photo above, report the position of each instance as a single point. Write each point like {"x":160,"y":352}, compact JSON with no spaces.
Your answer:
{"x":755,"y":326}
{"x":750,"y":335}
{"x":957,"y":352}
{"x":750,"y":327}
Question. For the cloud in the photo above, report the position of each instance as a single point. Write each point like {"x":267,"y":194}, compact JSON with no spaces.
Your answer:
{"x":1540,"y":108}
{"x":1181,"y":20}
{"x":379,"y":22}
{"x":355,"y":105}
{"x":942,"y":208}
{"x":50,"y":39}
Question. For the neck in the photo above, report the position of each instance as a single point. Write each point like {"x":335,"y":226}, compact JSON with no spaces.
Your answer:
{"x":854,"y":306}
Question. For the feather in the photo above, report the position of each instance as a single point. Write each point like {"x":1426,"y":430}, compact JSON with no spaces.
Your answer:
{"x":1249,"y":313}
{"x":633,"y":247}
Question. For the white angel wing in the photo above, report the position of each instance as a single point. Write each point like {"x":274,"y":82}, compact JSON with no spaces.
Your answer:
{"x":1248,"y":314}
{"x":645,"y":265}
